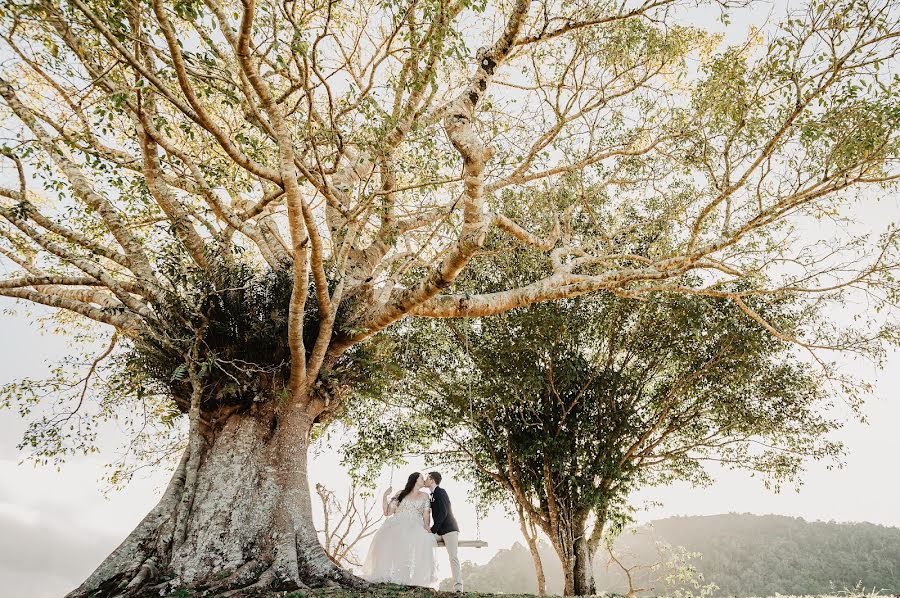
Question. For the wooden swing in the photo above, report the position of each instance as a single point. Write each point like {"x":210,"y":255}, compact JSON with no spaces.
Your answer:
{"x":464,"y":543}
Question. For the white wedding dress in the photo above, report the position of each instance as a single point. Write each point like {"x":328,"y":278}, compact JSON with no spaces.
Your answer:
{"x":402,"y":550}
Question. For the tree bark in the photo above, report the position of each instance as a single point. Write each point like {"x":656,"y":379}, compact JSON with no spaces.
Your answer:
{"x":243,"y":524}
{"x":576,"y":559}
{"x":529,"y":532}
{"x":583,"y":582}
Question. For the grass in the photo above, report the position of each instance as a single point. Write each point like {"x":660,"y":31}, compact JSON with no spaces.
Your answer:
{"x":398,"y":591}
{"x":376,"y":591}
{"x":389,"y":591}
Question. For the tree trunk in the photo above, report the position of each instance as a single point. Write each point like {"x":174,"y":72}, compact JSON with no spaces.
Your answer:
{"x":236,"y":517}
{"x":583,"y":582}
{"x":529,"y":531}
{"x":578,"y":572}
{"x":568,"y":567}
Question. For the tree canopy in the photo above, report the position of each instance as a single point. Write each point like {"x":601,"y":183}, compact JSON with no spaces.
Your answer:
{"x":352,"y":158}
{"x":371,"y":148}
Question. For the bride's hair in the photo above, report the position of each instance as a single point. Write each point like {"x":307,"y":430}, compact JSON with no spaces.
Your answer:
{"x":410,"y":484}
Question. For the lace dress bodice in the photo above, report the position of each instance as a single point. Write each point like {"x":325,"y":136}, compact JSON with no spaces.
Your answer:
{"x":413,"y":506}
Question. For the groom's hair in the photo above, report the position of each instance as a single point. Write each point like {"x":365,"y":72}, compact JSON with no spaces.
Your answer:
{"x":436,"y":477}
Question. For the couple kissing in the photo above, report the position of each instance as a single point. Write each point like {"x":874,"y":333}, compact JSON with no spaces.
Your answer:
{"x":402,"y":550}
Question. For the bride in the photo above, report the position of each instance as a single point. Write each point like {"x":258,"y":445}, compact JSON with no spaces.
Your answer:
{"x":402,"y":550}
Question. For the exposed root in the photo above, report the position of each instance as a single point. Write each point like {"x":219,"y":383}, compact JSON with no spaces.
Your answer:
{"x":244,"y":582}
{"x":347,"y":580}
{"x":263,"y":583}
{"x":147,"y":571}
{"x":155,"y":590}
{"x":236,"y":576}
{"x":330,"y":575}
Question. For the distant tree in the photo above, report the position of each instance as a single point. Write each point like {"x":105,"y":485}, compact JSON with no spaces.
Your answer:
{"x":508,"y":572}
{"x":753,"y":555}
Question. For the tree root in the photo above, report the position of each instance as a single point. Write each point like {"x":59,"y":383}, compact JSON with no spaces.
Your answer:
{"x":147,"y":571}
{"x":337,"y":577}
{"x":264,"y":582}
{"x":235,"y":576}
{"x":345,"y":579}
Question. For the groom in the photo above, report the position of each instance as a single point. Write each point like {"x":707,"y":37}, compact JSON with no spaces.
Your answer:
{"x":445,"y":524}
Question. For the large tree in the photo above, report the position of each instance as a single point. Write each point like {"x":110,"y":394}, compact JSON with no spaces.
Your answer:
{"x":247,"y":191}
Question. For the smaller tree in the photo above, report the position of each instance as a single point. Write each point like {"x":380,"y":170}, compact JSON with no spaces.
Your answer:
{"x":346,"y":523}
{"x":565,"y":409}
{"x":672,"y":568}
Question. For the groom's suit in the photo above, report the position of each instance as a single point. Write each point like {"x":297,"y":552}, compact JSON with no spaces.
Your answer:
{"x":445,"y":527}
{"x":442,"y":513}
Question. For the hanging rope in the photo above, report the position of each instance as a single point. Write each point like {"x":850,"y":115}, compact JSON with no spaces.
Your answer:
{"x":478,"y":519}
{"x":467,"y":322}
{"x":397,"y":405}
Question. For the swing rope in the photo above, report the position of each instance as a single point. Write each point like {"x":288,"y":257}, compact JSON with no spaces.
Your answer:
{"x":397,"y":405}
{"x":472,"y":417}
{"x":478,"y":542}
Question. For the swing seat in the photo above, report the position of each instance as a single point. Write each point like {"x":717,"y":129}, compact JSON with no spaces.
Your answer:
{"x":464,"y":543}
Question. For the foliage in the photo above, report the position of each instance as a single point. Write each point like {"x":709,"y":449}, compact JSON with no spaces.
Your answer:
{"x":623,"y":149}
{"x":763,"y":555}
{"x":236,"y":314}
{"x":608,"y":393}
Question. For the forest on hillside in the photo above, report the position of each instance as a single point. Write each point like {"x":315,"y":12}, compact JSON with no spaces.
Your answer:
{"x":744,"y":555}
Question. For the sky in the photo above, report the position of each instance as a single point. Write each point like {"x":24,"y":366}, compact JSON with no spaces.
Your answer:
{"x":56,"y":526}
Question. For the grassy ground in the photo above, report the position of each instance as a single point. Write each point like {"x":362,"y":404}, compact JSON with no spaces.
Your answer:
{"x":395,"y":591}
{"x":391,"y":591}
{"x":377,"y":591}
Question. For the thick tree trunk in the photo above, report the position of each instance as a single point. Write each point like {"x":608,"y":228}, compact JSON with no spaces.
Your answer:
{"x":576,"y":559}
{"x":236,"y":517}
{"x":583,"y":571}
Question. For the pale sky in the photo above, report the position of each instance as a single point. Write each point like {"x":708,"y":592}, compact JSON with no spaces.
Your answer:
{"x":57,"y":526}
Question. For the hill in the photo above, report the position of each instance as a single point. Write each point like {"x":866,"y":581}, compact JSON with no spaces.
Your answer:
{"x":743,"y":554}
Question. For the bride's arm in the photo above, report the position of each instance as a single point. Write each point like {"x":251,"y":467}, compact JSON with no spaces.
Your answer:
{"x":387,"y":507}
{"x":426,"y":517}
